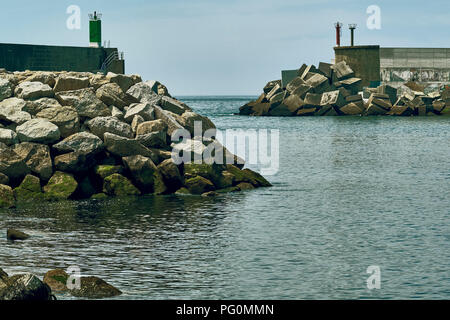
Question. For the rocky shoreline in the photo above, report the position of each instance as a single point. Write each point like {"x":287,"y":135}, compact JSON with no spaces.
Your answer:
{"x":76,"y":135}
{"x":333,"y":90}
{"x":29,"y":287}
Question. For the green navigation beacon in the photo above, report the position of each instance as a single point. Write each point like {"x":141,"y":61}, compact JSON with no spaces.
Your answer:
{"x":95,"y":30}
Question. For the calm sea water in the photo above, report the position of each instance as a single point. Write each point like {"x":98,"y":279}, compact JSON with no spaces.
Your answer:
{"x":350,"y":193}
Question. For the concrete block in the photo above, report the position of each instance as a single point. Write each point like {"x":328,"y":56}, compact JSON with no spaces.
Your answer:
{"x":343,"y":71}
{"x":312,"y":99}
{"x":308,"y":69}
{"x":352,"y":84}
{"x":400,"y":111}
{"x":351,"y":109}
{"x":374,"y":110}
{"x":326,"y":70}
{"x":333,"y":98}
{"x":302,"y":90}
{"x":319,"y":83}
{"x":306,"y":111}
{"x":287,"y":76}
{"x":270,"y":85}
{"x":275,"y":90}
{"x":294,"y":84}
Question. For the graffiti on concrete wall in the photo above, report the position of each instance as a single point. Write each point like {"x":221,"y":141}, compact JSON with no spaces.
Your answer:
{"x":419,"y":75}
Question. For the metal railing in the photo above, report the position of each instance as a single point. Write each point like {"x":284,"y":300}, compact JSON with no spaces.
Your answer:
{"x":114,"y":56}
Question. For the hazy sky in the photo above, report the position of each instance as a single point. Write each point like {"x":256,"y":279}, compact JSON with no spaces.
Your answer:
{"x":206,"y":47}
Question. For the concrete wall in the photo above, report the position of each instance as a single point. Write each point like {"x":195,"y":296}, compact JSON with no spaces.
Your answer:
{"x":364,"y":60}
{"x":21,"y":57}
{"x":427,"y":65}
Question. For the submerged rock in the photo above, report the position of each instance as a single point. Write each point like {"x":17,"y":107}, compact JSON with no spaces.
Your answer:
{"x":199,"y":185}
{"x":95,"y":288}
{"x":15,"y":235}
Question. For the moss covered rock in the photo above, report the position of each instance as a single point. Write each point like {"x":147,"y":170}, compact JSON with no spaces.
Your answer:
{"x":199,"y":185}
{"x":211,"y":172}
{"x":7,"y":199}
{"x":56,"y":280}
{"x":117,"y":185}
{"x":106,"y":170}
{"x":182,"y":191}
{"x":145,"y":174}
{"x":60,"y":186}
{"x":99,"y":196}
{"x":248,"y":176}
{"x":29,"y":190}
{"x":228,"y":190}
{"x":245,"y":186}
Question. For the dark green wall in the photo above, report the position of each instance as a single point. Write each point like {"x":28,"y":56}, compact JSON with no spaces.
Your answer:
{"x":21,"y":57}
{"x":364,"y":60}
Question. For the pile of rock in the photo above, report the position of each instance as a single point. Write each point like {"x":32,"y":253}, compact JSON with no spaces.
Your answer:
{"x":29,"y":287}
{"x":333,"y":90}
{"x":81,"y":135}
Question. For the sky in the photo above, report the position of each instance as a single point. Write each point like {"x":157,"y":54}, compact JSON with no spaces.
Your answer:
{"x":217,"y":47}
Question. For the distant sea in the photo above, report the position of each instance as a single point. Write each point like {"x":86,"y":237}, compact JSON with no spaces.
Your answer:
{"x":351,"y":192}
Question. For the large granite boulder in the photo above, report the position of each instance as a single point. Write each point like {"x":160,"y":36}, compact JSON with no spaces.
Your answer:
{"x":123,"y":81}
{"x":11,"y":111}
{"x":112,"y":95}
{"x":81,"y":142}
{"x":70,"y":83}
{"x":5,"y":89}
{"x":25,"y":287}
{"x":189,"y":119}
{"x":8,"y":137}
{"x":173,"y":105}
{"x":145,"y":110}
{"x":145,"y":174}
{"x":172,"y":124}
{"x":171,"y":174}
{"x":153,"y":139}
{"x":100,"y":125}
{"x":124,"y":147}
{"x":73,"y":162}
{"x":66,"y":118}
{"x":85,"y":102}
{"x":11,"y":164}
{"x":145,"y":92}
{"x":43,"y":76}
{"x":39,"y":131}
{"x":33,"y":90}
{"x":151,"y":126}
{"x":36,"y":157}
{"x":36,"y":106}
